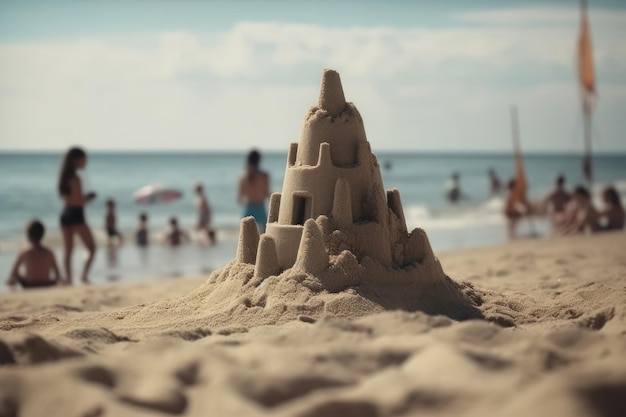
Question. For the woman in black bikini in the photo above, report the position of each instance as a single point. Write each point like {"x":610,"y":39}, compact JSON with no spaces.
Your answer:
{"x":73,"y":214}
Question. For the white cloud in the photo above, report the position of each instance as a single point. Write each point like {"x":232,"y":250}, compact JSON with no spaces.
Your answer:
{"x":416,"y":88}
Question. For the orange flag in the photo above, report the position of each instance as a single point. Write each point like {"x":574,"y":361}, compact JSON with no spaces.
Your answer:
{"x":585,"y":54}
{"x":586,"y":76}
{"x":519,"y":192}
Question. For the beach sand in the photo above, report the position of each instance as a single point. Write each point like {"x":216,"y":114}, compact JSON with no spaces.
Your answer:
{"x":552,"y":341}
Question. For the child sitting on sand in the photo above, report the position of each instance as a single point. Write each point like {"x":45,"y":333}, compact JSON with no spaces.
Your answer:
{"x":141,"y":235}
{"x":580,"y":214}
{"x":613,"y":215}
{"x":175,"y":236}
{"x":110,"y":222}
{"x":556,"y":202}
{"x":34,"y":264}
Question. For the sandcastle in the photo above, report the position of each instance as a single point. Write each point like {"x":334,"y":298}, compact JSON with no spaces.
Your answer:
{"x":335,"y":223}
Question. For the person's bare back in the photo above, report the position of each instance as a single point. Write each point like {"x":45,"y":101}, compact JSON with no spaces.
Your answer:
{"x":254,"y":187}
{"x":36,"y":265}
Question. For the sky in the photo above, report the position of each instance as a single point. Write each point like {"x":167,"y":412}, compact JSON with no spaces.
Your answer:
{"x":231,"y":75}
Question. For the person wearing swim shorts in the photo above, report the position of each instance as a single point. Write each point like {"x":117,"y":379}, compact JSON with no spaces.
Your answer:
{"x":254,"y":188}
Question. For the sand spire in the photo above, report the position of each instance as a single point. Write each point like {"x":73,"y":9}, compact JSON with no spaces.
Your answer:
{"x":312,"y":255}
{"x":248,"y":241}
{"x":342,"y":204}
{"x":267,"y":259}
{"x":331,"y":93}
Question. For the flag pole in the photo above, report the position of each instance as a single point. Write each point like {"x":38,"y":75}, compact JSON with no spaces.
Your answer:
{"x":587,"y":88}
{"x":515,"y":127}
{"x":587,"y":165}
{"x":520,"y":173}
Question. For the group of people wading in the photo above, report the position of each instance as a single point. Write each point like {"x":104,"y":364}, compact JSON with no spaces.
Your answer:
{"x":36,"y":265}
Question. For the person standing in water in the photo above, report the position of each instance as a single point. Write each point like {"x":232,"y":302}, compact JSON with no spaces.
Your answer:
{"x":254,"y":188}
{"x":452,"y":188}
{"x":110,"y":224}
{"x":204,"y":215}
{"x":175,"y":236}
{"x":73,"y":215}
{"x":514,"y":210}
{"x":495,"y":186}
{"x":142,"y":238}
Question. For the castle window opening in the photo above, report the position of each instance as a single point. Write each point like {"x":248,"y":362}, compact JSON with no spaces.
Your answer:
{"x":301,"y":209}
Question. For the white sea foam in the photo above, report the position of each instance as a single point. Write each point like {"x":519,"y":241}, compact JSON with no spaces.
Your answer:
{"x":465,"y":215}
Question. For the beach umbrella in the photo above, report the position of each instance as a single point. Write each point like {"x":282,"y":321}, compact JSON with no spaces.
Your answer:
{"x":156,"y":193}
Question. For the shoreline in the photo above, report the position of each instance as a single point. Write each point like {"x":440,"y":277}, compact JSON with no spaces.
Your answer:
{"x":454,"y":262}
{"x":159,"y":261}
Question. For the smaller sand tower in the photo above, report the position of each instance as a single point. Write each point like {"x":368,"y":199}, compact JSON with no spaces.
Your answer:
{"x":333,"y":218}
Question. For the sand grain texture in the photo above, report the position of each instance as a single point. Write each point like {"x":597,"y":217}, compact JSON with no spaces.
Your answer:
{"x":553,"y":342}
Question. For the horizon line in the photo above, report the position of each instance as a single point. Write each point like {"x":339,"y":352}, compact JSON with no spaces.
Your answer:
{"x":280,"y":151}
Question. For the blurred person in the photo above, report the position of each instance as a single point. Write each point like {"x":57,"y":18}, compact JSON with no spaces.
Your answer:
{"x":142,"y":238}
{"x":556,"y":202}
{"x":110,"y":222}
{"x":36,"y":265}
{"x":613,"y":216}
{"x":73,"y":214}
{"x":580,"y":215}
{"x":452,"y":188}
{"x":204,"y":215}
{"x":514,"y":210}
{"x":254,"y":188}
{"x":495,"y":186}
{"x":175,"y":236}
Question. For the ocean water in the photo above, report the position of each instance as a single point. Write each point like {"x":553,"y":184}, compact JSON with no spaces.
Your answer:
{"x":28,"y":190}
